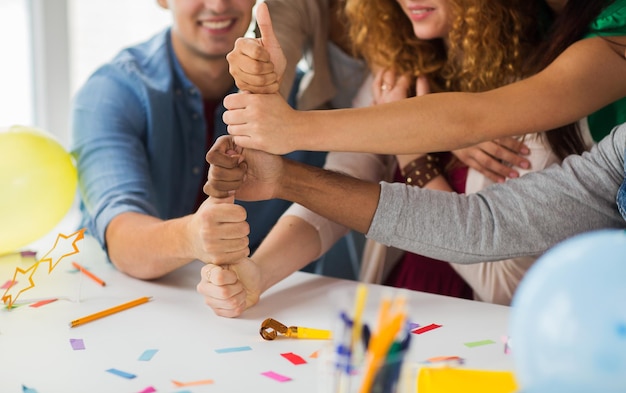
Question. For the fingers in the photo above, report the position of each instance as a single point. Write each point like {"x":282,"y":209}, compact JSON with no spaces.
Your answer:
{"x":250,"y":65}
{"x":223,"y":182}
{"x":390,"y":87}
{"x":263,"y":20}
{"x":222,"y":291}
{"x":223,"y":231}
{"x":488,"y":166}
{"x":384,"y":80}
{"x":503,"y":154}
{"x":422,"y":87}
{"x":516,"y":146}
{"x":494,"y":160}
{"x":226,"y":168}
{"x":270,"y":42}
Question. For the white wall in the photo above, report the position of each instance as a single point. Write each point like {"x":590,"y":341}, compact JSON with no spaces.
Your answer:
{"x":50,"y":47}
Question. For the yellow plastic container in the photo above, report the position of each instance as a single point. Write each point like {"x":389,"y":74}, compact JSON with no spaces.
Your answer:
{"x":458,"y":380}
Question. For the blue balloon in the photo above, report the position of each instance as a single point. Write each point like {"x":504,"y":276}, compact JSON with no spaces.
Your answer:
{"x":568,"y":317}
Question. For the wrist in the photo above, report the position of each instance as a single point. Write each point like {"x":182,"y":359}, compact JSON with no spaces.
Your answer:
{"x":421,"y":170}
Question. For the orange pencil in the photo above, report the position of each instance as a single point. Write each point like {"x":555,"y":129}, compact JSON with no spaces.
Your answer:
{"x":88,"y":274}
{"x":109,"y":311}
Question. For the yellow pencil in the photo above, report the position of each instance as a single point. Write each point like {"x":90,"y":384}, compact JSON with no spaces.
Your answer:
{"x":109,"y":311}
{"x":88,"y":274}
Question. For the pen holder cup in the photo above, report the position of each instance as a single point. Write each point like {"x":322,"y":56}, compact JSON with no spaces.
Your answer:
{"x":394,"y":375}
{"x":369,"y":349}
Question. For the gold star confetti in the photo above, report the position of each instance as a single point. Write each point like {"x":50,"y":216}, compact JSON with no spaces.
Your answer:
{"x":64,"y":246}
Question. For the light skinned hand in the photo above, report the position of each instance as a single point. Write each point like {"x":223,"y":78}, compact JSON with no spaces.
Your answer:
{"x":258,"y":64}
{"x":261,"y":121}
{"x":389,"y":87}
{"x":496,"y":159}
{"x":218,"y":231}
{"x":251,"y":175}
{"x":230,"y":289}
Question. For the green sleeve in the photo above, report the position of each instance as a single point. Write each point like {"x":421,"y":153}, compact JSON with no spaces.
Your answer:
{"x":610,"y":22}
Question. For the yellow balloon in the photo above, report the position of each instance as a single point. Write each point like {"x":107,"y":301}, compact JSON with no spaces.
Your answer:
{"x":37,"y":186}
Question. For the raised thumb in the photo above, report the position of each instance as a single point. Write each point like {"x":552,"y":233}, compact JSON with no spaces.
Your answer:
{"x":264,"y":22}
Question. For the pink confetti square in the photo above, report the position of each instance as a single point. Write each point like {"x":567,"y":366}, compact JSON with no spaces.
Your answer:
{"x":276,"y":376}
{"x":42,"y":303}
{"x":8,"y":284}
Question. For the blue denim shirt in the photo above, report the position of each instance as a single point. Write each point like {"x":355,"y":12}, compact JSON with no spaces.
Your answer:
{"x":139,"y":138}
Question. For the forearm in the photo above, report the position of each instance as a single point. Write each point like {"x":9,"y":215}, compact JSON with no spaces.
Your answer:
{"x":448,"y":121}
{"x":289,"y":246}
{"x":343,"y":199}
{"x":146,"y":247}
{"x":522,"y":217}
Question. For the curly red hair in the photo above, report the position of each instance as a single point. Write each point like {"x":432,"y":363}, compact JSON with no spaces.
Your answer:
{"x":487,"y":44}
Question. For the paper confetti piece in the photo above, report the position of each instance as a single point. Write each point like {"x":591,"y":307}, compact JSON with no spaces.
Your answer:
{"x":148,"y":354}
{"x":507,"y":344}
{"x":192,"y":383}
{"x":43,"y":303}
{"x":413,"y":325}
{"x":233,"y":349}
{"x":77,"y":343}
{"x":27,"y":253}
{"x":121,"y":373}
{"x":293,"y":358}
{"x":276,"y":376}
{"x":446,"y":359}
{"x":28,"y":390}
{"x":8,"y":284}
{"x":315,"y":354}
{"x":426,"y":328}
{"x":479,"y":343}
{"x":149,"y":389}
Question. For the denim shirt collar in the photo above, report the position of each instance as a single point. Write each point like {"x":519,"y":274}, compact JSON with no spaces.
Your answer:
{"x":180,"y":81}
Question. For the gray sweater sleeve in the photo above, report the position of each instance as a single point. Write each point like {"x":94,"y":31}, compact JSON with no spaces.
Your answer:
{"x":521,"y":217}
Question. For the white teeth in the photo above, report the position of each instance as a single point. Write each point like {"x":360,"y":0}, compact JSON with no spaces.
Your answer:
{"x":421,"y":11}
{"x":216,"y":25}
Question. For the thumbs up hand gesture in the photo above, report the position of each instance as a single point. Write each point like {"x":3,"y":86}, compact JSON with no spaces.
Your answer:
{"x":258,"y":64}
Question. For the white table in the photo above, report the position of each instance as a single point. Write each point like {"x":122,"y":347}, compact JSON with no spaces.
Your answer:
{"x":35,"y":348}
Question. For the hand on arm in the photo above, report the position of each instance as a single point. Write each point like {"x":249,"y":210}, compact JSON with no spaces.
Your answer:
{"x":258,"y":64}
{"x":444,"y":121}
{"x":230,"y":289}
{"x":251,"y":175}
{"x":146,"y":247}
{"x":343,"y":199}
{"x":233,"y":287}
{"x":389,"y":87}
{"x":495,"y":159}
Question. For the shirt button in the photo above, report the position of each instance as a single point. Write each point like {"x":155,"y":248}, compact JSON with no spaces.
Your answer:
{"x":196,"y":170}
{"x":178,"y":92}
{"x":192,"y":91}
{"x":194,"y":116}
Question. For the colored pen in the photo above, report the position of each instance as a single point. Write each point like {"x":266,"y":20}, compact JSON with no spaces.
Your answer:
{"x":88,"y":273}
{"x":109,"y":311}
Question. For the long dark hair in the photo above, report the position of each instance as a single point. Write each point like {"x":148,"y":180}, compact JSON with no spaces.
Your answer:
{"x":567,"y":28}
